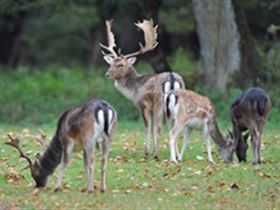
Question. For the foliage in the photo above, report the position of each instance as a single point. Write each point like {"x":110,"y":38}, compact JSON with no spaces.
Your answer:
{"x":173,"y":13}
{"x":181,"y":63}
{"x":40,"y":96}
{"x":134,"y":183}
{"x":60,"y":37}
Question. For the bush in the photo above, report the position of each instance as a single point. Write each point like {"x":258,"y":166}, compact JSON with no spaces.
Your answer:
{"x":40,"y":96}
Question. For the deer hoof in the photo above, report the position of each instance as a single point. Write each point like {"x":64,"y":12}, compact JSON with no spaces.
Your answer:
{"x":174,"y":161}
{"x":179,"y":158}
{"x":90,"y":191}
{"x":57,"y":189}
{"x":256,"y":162}
{"x":212,"y":162}
{"x":146,"y":155}
{"x":156,"y":158}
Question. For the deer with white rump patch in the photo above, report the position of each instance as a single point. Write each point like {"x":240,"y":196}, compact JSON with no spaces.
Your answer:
{"x":249,"y":112}
{"x":190,"y":110}
{"x":79,"y":128}
{"x":146,"y":91}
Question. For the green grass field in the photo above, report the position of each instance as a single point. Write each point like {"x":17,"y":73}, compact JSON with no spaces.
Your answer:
{"x":134,"y":183}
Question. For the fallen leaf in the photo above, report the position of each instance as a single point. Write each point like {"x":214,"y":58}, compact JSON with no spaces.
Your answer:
{"x":13,"y":177}
{"x":35,"y":192}
{"x":225,"y":201}
{"x":198,"y":172}
{"x":128,"y":191}
{"x":115,"y":191}
{"x":264,"y":175}
{"x":224,"y":186}
{"x":188,"y":193}
{"x":234,"y":186}
{"x":194,"y":187}
{"x":210,"y":189}
{"x":199,"y":157}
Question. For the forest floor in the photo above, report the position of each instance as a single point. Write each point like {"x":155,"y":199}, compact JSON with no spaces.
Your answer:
{"x":135,"y":183}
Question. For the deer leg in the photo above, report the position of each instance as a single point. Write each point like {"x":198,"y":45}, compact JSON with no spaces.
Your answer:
{"x":66,"y":153}
{"x":185,"y":143}
{"x":256,"y":144}
{"x":148,"y":124}
{"x":177,"y":128}
{"x":241,"y":146}
{"x":89,"y":161}
{"x":177,"y":151}
{"x":208,"y":143}
{"x":106,"y":144}
{"x":241,"y":149}
{"x":157,"y":123}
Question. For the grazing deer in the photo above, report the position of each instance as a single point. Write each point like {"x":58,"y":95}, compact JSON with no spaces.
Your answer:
{"x":193,"y":111}
{"x":146,"y":91}
{"x":249,"y":112}
{"x":79,"y":128}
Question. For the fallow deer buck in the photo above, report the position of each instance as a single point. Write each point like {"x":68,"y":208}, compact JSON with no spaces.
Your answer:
{"x":79,"y":128}
{"x":190,"y":110}
{"x":249,"y":112}
{"x":146,"y":91}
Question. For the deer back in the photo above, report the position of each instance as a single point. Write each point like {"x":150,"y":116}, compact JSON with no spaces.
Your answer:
{"x":250,"y":107}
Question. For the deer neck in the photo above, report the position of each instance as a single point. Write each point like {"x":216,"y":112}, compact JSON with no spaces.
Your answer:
{"x":51,"y":157}
{"x":217,"y":136}
{"x":128,"y":85}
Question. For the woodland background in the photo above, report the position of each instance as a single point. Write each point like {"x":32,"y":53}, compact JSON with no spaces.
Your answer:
{"x":50,"y":60}
{"x":50,"y":57}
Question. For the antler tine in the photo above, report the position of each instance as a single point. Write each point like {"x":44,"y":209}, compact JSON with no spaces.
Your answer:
{"x":110,"y":39}
{"x":150,"y":36}
{"x":14,"y":142}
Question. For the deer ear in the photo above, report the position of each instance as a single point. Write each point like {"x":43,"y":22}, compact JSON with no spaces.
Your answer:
{"x":108,"y":59}
{"x":131,"y":60}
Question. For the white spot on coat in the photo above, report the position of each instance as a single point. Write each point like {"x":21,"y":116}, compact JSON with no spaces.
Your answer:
{"x":172,"y":106}
{"x":176,"y":85}
{"x":166,"y":87}
{"x":99,"y":123}
{"x":110,"y":116}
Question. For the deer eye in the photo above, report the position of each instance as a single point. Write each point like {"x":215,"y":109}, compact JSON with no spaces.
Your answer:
{"x":120,"y":65}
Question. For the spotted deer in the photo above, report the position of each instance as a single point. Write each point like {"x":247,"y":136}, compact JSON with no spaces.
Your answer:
{"x":146,"y":91}
{"x":79,"y":128}
{"x":249,"y":112}
{"x":190,"y":110}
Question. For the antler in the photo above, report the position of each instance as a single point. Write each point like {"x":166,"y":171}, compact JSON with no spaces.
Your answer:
{"x":40,"y":138}
{"x":111,"y":40}
{"x":150,"y":36}
{"x":14,"y":142}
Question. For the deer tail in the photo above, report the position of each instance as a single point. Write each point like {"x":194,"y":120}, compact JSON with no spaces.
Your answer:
{"x":260,"y":105}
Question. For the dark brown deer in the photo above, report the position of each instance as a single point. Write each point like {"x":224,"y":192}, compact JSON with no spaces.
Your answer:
{"x":146,"y":91}
{"x":191,"y":110}
{"x":79,"y":128}
{"x":249,"y":112}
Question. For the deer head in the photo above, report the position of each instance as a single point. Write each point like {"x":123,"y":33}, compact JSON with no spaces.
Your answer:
{"x":34,"y":167}
{"x":121,"y":64}
{"x":226,"y":151}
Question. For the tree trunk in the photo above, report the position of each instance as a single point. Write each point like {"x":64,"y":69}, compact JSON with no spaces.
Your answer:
{"x":250,"y":67}
{"x":219,"y":40}
{"x":10,"y":30}
{"x":158,"y":59}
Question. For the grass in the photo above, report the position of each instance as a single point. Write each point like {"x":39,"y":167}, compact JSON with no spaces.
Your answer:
{"x":134,"y":183}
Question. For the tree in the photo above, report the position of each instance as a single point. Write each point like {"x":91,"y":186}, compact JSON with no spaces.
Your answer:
{"x":219,"y":40}
{"x":250,"y":65}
